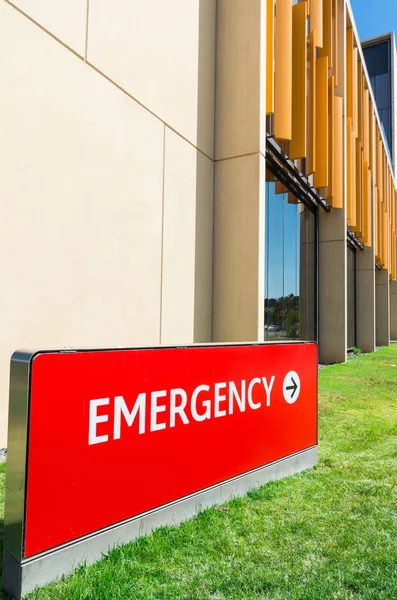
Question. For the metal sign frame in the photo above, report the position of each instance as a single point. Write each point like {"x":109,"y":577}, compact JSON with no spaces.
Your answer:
{"x":22,"y":575}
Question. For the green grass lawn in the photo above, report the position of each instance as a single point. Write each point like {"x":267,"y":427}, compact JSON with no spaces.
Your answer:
{"x":329,"y":533}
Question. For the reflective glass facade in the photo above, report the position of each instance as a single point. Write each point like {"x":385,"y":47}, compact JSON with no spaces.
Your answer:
{"x":378,"y":61}
{"x":290,"y":268}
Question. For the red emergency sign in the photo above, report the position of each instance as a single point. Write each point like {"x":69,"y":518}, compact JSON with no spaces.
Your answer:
{"x":113,"y":434}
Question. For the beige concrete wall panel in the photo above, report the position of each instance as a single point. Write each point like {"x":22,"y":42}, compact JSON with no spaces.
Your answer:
{"x":238,"y":305}
{"x":365,"y":310}
{"x":163,"y":54}
{"x":382,"y":307}
{"x":187,"y":244}
{"x":365,"y":299}
{"x":204,"y":250}
{"x":332,"y":225}
{"x":307,"y":231}
{"x":81,"y":197}
{"x":177,"y":307}
{"x":332,"y":301}
{"x":240,"y":78}
{"x":393,"y":311}
{"x":307,"y":308}
{"x":65,"y":19}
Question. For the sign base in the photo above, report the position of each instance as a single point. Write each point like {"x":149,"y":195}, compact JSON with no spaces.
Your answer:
{"x":19,"y":579}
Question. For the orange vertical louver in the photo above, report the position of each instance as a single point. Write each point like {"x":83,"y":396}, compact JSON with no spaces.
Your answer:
{"x":316,"y":21}
{"x":337,"y":162}
{"x":327,"y":47}
{"x":311,"y":107}
{"x":283,"y":71}
{"x":321,"y":172}
{"x":270,"y":57}
{"x":297,"y":148}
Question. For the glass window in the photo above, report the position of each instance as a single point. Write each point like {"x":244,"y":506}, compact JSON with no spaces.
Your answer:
{"x":382,"y":91}
{"x":377,"y":58}
{"x":290,"y":268}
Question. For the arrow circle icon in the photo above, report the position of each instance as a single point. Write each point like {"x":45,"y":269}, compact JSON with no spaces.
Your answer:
{"x":291,"y":387}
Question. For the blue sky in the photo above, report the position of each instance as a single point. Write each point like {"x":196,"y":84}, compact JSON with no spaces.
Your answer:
{"x":374,"y":17}
{"x":282,"y":245}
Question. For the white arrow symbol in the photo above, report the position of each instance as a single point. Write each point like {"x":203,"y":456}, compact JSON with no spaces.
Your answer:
{"x":291,"y":387}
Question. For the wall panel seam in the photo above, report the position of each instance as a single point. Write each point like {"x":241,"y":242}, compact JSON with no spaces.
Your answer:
{"x":86,"y":31}
{"x":162,"y":242}
{"x":92,"y":66}
{"x":258,"y":152}
{"x":214,"y":180}
{"x":147,"y":109}
{"x":54,"y":37}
